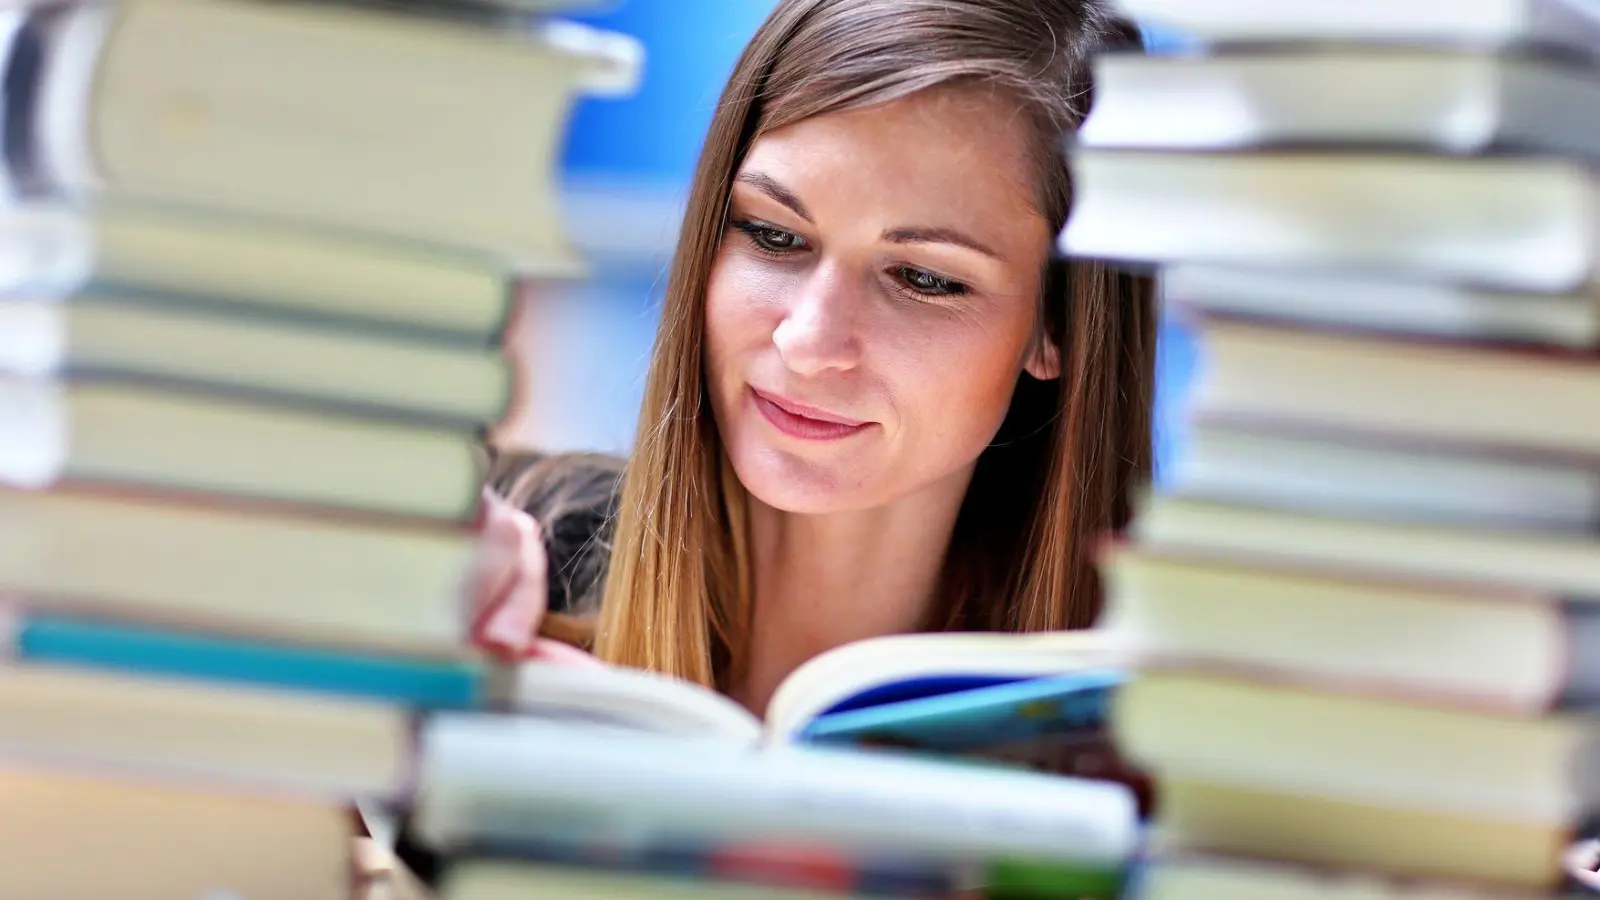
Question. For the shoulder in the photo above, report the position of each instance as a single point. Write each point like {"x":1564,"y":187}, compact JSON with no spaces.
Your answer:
{"x":574,"y":496}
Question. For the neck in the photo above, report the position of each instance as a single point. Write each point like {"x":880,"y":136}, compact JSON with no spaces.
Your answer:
{"x":821,"y":581}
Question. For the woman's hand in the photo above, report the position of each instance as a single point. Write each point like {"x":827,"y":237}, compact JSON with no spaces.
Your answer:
{"x":510,"y":591}
{"x":1580,"y":861}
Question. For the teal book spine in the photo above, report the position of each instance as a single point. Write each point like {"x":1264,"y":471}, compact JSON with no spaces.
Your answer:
{"x":418,"y":683}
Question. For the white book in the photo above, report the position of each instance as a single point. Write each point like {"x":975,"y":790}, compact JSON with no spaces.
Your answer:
{"x":1568,"y":23}
{"x":499,"y":780}
{"x":1513,"y":224}
{"x":1456,"y":101}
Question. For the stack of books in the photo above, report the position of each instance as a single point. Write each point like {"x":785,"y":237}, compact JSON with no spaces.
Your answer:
{"x":1361,"y":605}
{"x":257,"y":258}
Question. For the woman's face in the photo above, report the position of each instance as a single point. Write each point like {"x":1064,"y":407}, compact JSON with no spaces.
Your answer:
{"x":874,"y":301}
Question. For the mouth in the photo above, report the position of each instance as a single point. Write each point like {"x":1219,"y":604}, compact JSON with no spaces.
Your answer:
{"x":805,"y":422}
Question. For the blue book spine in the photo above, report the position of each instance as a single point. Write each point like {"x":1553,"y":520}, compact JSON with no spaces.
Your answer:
{"x":423,"y":684}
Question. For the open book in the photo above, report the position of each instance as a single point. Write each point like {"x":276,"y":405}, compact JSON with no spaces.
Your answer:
{"x":863,"y":675}
{"x":621,"y":768}
{"x":1036,"y":701}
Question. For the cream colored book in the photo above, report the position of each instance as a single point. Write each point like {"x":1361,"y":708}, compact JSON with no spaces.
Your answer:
{"x":124,"y":435}
{"x":118,"y":335}
{"x":67,"y":836}
{"x":250,"y":266}
{"x":1296,"y":467}
{"x":266,"y":574}
{"x":1342,"y":300}
{"x":416,"y":128}
{"x":1428,"y":394}
{"x":227,"y":737}
{"x":1517,"y":651}
{"x":1564,"y":563}
{"x":1409,"y":843}
{"x":1262,"y":735}
{"x":1200,"y":877}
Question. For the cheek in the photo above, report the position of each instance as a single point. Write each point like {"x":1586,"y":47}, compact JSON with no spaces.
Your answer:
{"x":962,"y":379}
{"x":743,"y":308}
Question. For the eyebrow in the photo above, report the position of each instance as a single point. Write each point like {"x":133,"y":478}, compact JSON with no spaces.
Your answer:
{"x":940,"y":236}
{"x":768,"y":185}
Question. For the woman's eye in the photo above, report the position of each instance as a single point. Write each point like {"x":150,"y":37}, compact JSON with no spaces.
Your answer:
{"x":928,"y":283}
{"x":769,"y":239}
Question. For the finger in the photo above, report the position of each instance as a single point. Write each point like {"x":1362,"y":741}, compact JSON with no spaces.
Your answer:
{"x":534,"y":556}
{"x":496,"y":526}
{"x":496,"y":505}
{"x":516,"y":528}
{"x":512,"y":626}
{"x":1582,"y":855}
{"x":498,"y":558}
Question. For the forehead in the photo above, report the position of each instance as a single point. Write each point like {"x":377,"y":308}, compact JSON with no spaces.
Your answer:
{"x":948,"y":151}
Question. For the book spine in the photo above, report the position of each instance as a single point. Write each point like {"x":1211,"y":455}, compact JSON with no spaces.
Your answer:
{"x":419,"y":684}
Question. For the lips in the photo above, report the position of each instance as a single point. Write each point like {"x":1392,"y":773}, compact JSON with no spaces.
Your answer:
{"x":805,"y":422}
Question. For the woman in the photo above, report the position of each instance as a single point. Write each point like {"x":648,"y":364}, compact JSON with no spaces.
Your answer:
{"x":876,"y":405}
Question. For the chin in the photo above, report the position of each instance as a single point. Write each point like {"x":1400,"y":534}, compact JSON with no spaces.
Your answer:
{"x":787,"y":483}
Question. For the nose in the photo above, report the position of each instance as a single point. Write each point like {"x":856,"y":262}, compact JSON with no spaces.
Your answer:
{"x":819,"y":332}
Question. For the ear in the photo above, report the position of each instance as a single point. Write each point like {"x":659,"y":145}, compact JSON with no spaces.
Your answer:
{"x":1044,"y":360}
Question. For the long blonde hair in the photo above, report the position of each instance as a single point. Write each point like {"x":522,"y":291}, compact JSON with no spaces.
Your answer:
{"x":677,"y":591}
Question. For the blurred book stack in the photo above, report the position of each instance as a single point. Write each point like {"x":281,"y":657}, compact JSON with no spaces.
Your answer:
{"x":930,"y":766}
{"x":255,"y":262}
{"x":1362,"y":605}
